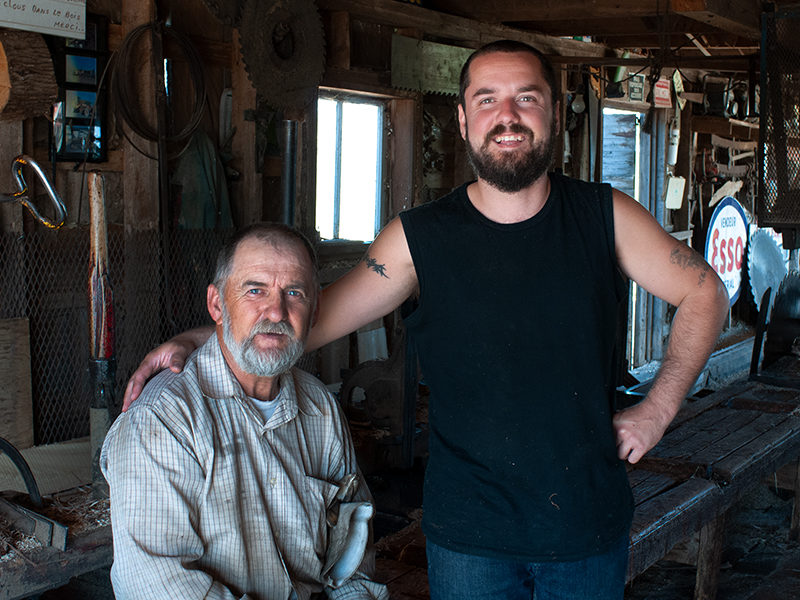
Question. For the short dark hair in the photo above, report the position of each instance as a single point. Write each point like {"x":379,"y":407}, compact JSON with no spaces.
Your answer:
{"x":508,"y":46}
{"x":274,"y":233}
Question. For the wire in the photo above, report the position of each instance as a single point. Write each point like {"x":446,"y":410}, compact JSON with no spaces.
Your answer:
{"x":124,"y":93}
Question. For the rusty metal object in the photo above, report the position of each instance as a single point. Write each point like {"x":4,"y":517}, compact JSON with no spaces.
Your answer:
{"x":783,"y":330}
{"x":283,"y":48}
{"x":427,"y":67}
{"x":228,"y":12}
{"x":390,"y":404}
{"x":22,"y":196}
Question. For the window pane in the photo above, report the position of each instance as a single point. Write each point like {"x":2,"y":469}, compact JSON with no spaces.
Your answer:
{"x":326,"y":166}
{"x":360,"y":168}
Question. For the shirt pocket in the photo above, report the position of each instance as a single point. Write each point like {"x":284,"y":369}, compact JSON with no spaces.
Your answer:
{"x":320,"y":494}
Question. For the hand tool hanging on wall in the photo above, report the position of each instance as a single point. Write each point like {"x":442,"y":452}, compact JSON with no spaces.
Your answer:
{"x":103,"y":409}
{"x":60,"y":213}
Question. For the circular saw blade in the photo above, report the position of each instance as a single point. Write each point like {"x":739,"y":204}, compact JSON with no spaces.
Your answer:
{"x":783,"y":331}
{"x":227,"y":11}
{"x":283,"y":48}
{"x":766,"y":265}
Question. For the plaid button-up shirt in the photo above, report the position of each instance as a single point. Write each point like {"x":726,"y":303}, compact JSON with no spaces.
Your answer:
{"x":209,"y":501}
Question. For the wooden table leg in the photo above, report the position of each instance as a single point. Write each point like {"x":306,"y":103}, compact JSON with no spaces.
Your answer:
{"x":709,"y":557}
{"x":794,"y":529}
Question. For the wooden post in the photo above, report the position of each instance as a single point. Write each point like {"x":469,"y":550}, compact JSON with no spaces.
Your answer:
{"x":709,"y":557}
{"x":794,"y":528}
{"x":247,"y":192}
{"x":141,"y":207}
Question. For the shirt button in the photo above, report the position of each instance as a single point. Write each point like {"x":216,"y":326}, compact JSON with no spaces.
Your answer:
{"x":273,"y":481}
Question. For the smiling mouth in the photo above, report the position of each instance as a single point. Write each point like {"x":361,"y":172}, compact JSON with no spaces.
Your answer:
{"x":501,"y":139}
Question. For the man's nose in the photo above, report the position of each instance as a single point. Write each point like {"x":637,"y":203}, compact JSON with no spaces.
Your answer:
{"x":508,"y":112}
{"x":275,"y":309}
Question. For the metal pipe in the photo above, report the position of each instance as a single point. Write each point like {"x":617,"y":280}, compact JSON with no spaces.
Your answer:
{"x":289,"y":172}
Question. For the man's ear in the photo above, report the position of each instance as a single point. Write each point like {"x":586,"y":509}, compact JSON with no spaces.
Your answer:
{"x":214,"y":303}
{"x":462,"y":121}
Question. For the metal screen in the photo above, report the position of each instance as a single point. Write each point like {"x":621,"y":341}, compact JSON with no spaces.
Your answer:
{"x":779,"y":189}
{"x":43,"y":276}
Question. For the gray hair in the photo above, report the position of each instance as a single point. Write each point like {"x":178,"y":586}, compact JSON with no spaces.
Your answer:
{"x":276,"y":234}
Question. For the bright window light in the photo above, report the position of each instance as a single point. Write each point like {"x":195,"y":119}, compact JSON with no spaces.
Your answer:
{"x":349,"y":160}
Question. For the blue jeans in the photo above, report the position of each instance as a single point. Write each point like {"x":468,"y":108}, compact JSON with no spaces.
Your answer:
{"x":455,"y":576}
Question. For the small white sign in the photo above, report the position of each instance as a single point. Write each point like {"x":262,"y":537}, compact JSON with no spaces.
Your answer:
{"x":64,"y":18}
{"x":725,"y":244}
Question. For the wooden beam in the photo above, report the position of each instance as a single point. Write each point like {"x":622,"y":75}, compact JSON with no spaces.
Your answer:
{"x":742,"y":17}
{"x":737,"y":16}
{"x":467,"y":31}
{"x":622,"y":25}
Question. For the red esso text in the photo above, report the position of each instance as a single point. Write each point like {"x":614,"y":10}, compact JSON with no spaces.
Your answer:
{"x":726,"y":253}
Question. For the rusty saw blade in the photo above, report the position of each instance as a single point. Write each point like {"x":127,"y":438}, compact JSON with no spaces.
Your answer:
{"x":427,"y":66}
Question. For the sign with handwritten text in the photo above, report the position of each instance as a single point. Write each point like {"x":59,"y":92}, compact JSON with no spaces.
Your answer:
{"x":65,"y":18}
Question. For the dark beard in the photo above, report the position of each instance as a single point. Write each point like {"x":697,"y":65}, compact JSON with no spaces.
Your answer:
{"x":512,"y":173}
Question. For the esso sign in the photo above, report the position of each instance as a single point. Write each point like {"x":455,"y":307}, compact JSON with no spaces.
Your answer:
{"x":725,"y":244}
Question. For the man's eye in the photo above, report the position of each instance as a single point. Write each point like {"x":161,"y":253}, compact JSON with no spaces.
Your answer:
{"x":486,"y":101}
{"x":294,"y":293}
{"x":253,"y":291}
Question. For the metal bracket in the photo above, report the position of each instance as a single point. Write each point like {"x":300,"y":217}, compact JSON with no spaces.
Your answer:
{"x":47,"y":531}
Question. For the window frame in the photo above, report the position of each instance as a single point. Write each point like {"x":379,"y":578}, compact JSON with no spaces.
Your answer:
{"x":382,"y":201}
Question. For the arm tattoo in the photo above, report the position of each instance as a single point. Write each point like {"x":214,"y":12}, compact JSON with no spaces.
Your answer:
{"x":686,"y":259}
{"x":373,"y":264}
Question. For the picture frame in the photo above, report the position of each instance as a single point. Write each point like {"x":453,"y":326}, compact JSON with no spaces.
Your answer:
{"x":78,"y":131}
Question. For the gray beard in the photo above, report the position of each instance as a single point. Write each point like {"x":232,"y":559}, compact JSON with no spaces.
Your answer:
{"x":262,"y":363}
{"x":512,"y":173}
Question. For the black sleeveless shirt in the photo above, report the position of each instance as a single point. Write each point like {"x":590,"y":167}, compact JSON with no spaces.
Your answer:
{"x":516,"y":333}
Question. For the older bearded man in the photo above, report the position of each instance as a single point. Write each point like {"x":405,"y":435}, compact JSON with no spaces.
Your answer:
{"x":224,"y":477}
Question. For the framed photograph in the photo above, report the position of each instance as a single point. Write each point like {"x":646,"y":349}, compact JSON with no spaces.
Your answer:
{"x":79,"y":117}
{"x":80,"y":69}
{"x":78,"y":131}
{"x":89,"y":42}
{"x":79,"y":104}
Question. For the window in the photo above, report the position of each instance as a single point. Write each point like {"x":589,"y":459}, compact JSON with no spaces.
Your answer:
{"x":349,"y":167}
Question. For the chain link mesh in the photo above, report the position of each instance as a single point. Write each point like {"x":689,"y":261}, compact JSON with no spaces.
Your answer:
{"x":779,"y":202}
{"x":159,"y":290}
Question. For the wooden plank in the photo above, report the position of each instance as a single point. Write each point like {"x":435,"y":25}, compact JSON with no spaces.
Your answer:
{"x":678,"y":468}
{"x":765,"y":406}
{"x":663,"y":521}
{"x":10,"y":212}
{"x":404,"y":161}
{"x":646,"y":485}
{"x":737,"y":438}
{"x":696,"y":434}
{"x":763,"y":455}
{"x":16,"y":406}
{"x":247,"y":192}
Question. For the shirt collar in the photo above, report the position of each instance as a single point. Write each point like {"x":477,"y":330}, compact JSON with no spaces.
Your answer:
{"x":217,"y":381}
